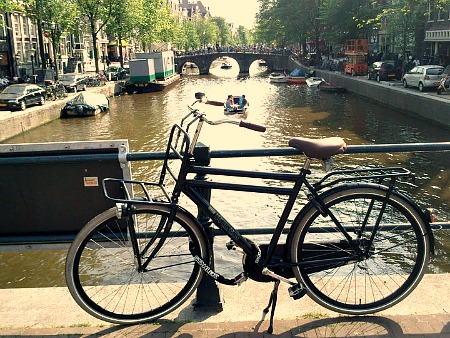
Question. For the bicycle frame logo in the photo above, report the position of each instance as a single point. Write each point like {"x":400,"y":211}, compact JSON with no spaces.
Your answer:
{"x":206,"y":268}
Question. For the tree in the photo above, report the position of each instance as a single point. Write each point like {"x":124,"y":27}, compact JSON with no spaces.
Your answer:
{"x":347,"y":19}
{"x":96,"y":14}
{"x":404,"y":18}
{"x":7,"y":6}
{"x":244,"y":36}
{"x":207,"y":31}
{"x":157,"y":25}
{"x":224,"y":31}
{"x":270,"y":27}
{"x":124,"y":18}
{"x":58,"y":17}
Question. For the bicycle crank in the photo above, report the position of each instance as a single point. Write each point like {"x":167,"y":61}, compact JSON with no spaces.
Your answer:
{"x":296,"y":290}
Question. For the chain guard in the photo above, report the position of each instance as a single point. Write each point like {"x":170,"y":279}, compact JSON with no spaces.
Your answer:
{"x":254,"y":270}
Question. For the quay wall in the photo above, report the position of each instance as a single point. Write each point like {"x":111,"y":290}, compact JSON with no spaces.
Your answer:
{"x":16,"y":122}
{"x":427,"y":105}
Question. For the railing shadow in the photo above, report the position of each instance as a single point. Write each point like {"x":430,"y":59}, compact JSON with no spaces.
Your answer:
{"x":363,"y":326}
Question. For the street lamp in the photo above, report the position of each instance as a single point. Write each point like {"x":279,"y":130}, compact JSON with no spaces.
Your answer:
{"x":32,"y":53}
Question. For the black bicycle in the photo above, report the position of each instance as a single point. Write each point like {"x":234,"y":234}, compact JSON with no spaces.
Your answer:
{"x":55,"y":90}
{"x":357,"y":247}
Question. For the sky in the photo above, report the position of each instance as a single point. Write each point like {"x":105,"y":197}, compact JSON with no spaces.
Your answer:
{"x":240,"y":12}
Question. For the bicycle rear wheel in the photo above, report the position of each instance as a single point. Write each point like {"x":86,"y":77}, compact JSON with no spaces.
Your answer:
{"x":101,"y":266}
{"x":339,"y":278}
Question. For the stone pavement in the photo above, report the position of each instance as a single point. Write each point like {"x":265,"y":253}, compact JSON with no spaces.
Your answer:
{"x":51,"y":312}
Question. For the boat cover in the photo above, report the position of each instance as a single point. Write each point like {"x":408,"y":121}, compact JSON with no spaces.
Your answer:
{"x":90,"y":99}
{"x":297,"y":72}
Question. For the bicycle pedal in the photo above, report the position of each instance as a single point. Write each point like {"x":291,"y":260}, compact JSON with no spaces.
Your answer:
{"x":297,"y":291}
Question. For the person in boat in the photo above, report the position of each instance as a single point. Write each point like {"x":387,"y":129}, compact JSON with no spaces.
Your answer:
{"x":229,"y":105}
{"x":243,"y":101}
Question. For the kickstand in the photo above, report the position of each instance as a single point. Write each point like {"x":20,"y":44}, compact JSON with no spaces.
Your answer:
{"x":273,"y":302}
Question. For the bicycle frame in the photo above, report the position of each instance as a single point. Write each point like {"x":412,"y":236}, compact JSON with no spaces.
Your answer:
{"x":190,"y":188}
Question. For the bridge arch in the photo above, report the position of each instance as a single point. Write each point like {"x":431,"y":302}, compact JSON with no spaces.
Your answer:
{"x":244,"y":60}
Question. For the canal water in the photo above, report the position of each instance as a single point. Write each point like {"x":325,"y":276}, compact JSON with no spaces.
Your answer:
{"x":287,"y":111}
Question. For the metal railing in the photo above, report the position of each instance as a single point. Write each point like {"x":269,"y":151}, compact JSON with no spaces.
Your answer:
{"x":43,"y":240}
{"x":207,"y":294}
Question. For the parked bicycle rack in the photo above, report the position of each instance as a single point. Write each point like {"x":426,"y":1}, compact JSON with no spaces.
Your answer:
{"x":208,"y":294}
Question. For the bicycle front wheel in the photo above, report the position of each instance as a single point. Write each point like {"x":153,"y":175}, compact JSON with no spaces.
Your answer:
{"x":393,"y":242}
{"x":102,"y":271}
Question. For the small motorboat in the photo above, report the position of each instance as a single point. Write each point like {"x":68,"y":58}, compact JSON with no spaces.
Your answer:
{"x":226,"y":65}
{"x":297,"y":76}
{"x":238,"y":106}
{"x":85,"y":104}
{"x":328,"y":87}
{"x":278,"y":77}
{"x":296,"y":79}
{"x":314,"y":81}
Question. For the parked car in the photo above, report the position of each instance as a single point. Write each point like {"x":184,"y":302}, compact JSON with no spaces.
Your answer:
{"x":20,"y":96}
{"x":423,"y":77}
{"x":115,"y":73}
{"x":74,"y":82}
{"x":384,"y":70}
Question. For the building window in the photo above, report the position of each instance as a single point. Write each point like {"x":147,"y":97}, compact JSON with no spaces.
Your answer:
{"x":16,"y":25}
{"x":25,"y":27}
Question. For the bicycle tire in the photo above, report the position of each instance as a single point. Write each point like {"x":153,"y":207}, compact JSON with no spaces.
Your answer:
{"x":52,"y":96}
{"x":394,"y":266}
{"x":101,"y":271}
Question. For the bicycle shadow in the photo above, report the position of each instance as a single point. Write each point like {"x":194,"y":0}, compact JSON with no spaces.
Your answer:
{"x":362,"y":326}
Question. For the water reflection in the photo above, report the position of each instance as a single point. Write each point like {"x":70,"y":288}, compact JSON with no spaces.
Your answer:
{"x":287,"y":111}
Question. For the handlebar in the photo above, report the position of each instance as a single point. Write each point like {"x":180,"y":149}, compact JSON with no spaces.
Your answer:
{"x":240,"y":123}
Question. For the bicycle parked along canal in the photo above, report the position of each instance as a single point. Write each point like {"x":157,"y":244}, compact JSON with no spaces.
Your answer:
{"x":357,"y":247}
{"x":55,"y":90}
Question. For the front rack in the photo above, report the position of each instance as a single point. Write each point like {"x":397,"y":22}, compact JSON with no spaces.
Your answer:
{"x":362,"y":175}
{"x":135,"y":191}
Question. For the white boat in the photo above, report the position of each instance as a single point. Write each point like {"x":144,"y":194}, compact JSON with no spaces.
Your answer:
{"x":314,"y":81}
{"x":278,"y":77}
{"x":238,"y":106}
{"x":226,"y":65}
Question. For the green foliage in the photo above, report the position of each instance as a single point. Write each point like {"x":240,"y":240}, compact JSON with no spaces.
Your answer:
{"x":9,"y":6}
{"x":291,"y":22}
{"x":347,"y":19}
{"x":224,"y":32}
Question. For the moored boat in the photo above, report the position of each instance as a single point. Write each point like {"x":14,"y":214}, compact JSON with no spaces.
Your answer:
{"x":328,"y":87}
{"x":226,"y":65}
{"x":278,"y":77}
{"x":85,"y":104}
{"x":296,"y":79}
{"x":314,"y":81}
{"x":297,"y":76}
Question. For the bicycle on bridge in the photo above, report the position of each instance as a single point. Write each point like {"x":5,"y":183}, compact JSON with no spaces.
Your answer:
{"x":357,"y":247}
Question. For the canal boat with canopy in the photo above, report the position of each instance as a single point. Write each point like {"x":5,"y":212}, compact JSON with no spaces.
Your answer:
{"x":85,"y":104}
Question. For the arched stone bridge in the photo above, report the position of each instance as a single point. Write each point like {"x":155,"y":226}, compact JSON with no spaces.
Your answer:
{"x":244,"y":59}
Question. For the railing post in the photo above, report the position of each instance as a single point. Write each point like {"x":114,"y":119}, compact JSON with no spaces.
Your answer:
{"x":208,"y":295}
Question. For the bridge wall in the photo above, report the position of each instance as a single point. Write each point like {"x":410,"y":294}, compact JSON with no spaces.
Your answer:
{"x":244,"y":60}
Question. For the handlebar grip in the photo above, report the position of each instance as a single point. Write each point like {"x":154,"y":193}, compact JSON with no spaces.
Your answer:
{"x":214,"y":103}
{"x":252,"y":126}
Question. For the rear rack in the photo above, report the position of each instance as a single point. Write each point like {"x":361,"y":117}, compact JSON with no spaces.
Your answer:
{"x":370,"y":174}
{"x":136,"y":191}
